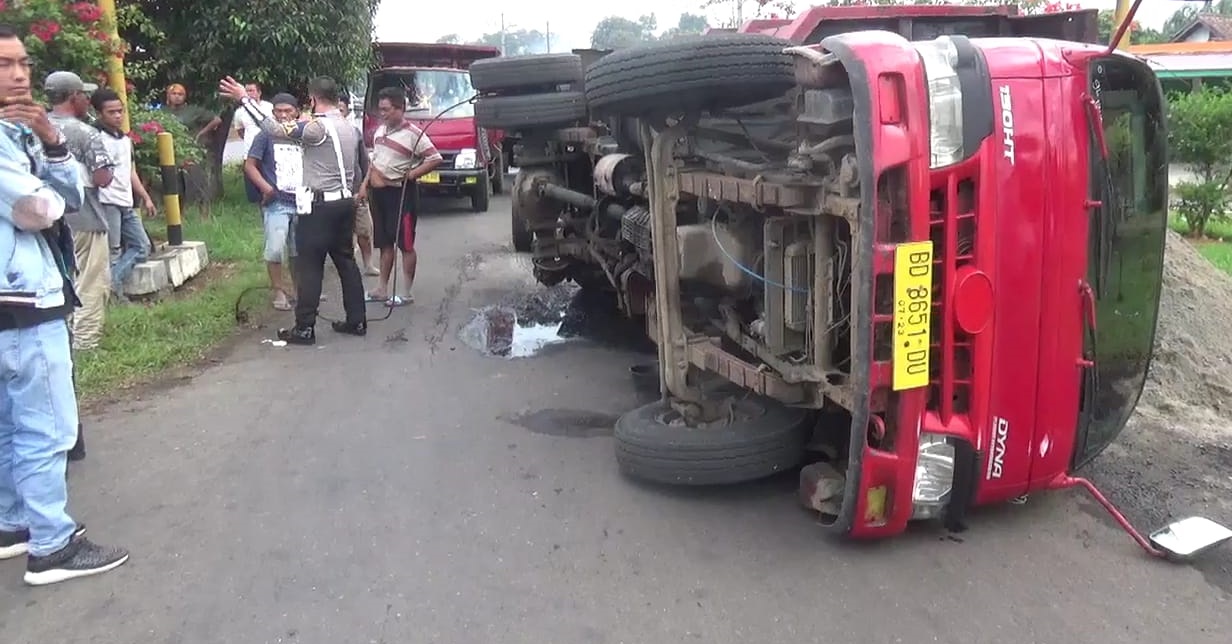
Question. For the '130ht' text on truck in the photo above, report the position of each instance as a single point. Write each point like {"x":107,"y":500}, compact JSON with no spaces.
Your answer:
{"x":917,"y":248}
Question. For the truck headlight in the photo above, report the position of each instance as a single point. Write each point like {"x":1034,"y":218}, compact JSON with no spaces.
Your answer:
{"x":467,"y":159}
{"x":934,"y":476}
{"x":940,"y":57}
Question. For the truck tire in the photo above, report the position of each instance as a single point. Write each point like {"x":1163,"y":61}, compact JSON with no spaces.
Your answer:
{"x":481,"y":194}
{"x":753,"y":446}
{"x":533,"y":110}
{"x":502,"y":75}
{"x":520,"y":233}
{"x":689,"y":74}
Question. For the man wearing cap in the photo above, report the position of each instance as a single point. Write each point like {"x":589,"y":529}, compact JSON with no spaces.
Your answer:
{"x":276,"y":170}
{"x":70,"y":103}
{"x":325,"y":206}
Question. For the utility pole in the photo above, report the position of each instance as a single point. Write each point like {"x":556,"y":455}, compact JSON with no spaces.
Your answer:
{"x":547,"y":36}
{"x":502,"y":34}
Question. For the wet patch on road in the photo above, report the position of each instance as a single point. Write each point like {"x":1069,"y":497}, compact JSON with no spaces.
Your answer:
{"x":570,"y":423}
{"x":522,"y":324}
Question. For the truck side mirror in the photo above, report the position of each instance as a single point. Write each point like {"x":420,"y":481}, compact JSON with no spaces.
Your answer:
{"x":1188,"y":538}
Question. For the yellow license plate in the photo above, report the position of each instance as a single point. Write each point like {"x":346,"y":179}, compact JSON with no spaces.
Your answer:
{"x":913,"y":310}
{"x":431,"y":177}
{"x":470,"y":180}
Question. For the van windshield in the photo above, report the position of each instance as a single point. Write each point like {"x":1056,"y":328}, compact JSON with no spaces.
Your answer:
{"x":430,"y":92}
{"x":1127,"y":235}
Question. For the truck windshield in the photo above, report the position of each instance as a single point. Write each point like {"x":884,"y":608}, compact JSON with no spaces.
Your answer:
{"x":429,"y":91}
{"x":1126,"y":246}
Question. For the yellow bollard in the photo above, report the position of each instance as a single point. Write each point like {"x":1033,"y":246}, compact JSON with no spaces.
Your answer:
{"x":115,"y":63}
{"x":171,"y":188}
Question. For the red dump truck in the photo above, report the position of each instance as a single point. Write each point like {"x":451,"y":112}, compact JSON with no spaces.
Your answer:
{"x":917,"y":250}
{"x":435,"y":79}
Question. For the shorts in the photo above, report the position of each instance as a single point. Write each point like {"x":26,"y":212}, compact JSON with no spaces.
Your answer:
{"x":277,"y":215}
{"x":388,"y":206}
{"x":363,"y":220}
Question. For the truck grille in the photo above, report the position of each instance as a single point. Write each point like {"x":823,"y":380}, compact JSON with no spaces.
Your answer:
{"x":952,"y":219}
{"x":448,"y":159}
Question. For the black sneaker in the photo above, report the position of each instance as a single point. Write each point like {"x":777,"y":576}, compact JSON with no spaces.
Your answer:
{"x":80,"y":558}
{"x":351,"y":328}
{"x":16,"y":544}
{"x":301,"y":335}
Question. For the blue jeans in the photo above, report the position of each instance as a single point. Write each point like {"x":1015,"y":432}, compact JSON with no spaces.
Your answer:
{"x":38,"y":426}
{"x":129,"y":248}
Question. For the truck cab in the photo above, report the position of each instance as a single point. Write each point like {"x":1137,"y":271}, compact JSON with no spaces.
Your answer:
{"x":439,"y":93}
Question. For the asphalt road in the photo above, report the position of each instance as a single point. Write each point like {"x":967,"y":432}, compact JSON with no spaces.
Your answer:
{"x":405,"y":488}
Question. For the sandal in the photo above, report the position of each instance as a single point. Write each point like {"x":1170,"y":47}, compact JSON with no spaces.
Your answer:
{"x":396,"y":301}
{"x":281,"y":302}
{"x":369,"y":297}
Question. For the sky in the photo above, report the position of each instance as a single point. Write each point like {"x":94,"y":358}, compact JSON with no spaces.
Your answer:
{"x":411,"y":21}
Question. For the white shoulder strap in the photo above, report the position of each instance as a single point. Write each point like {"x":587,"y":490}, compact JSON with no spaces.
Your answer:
{"x":333,"y":136}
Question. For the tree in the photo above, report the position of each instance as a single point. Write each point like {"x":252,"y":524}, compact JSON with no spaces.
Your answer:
{"x":614,"y":32}
{"x":449,"y":39}
{"x":689,"y":24}
{"x":773,"y":8}
{"x":1195,"y":119}
{"x":281,"y":44}
{"x":517,"y":42}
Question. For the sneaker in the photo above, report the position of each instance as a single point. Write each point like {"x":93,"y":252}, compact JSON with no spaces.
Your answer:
{"x":16,"y":544}
{"x":303,"y":336}
{"x":351,"y":328}
{"x":80,"y":558}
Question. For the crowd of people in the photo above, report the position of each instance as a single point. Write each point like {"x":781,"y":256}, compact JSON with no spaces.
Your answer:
{"x":70,"y":233}
{"x":380,"y":186}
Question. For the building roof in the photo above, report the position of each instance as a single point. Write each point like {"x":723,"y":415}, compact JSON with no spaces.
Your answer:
{"x":1219,"y":26}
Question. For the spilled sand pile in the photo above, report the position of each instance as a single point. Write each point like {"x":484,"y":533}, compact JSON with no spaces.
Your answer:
{"x":1192,"y":366}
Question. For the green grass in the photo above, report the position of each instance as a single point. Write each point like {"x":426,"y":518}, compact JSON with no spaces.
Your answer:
{"x":142,"y":340}
{"x":1217,"y":247}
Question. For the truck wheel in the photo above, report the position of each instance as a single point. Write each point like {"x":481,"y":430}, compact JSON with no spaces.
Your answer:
{"x":526,"y":72}
{"x":481,"y":194}
{"x":534,"y":110}
{"x":523,"y":238}
{"x":764,"y":439}
{"x":689,"y":74}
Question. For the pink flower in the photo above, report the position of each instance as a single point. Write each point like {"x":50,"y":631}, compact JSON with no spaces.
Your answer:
{"x":151,"y":127}
{"x":45,"y":30}
{"x":87,"y":12}
{"x":136,"y":138}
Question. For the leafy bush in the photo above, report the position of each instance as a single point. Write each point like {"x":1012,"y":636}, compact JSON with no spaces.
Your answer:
{"x":145,"y":126}
{"x":1198,"y":128}
{"x":62,"y":36}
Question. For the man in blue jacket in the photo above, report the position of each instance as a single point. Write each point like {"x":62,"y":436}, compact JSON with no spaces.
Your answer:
{"x":39,"y":180}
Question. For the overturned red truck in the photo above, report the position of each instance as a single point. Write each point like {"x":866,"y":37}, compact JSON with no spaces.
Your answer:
{"x":916,"y":249}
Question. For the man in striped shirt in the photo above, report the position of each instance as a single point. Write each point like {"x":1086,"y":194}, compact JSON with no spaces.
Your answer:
{"x":401,"y":154}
